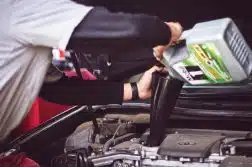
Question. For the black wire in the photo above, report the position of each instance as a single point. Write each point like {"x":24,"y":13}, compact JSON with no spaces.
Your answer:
{"x":76,"y":65}
{"x":89,"y":66}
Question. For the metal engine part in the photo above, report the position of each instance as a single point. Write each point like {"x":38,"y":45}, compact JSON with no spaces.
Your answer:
{"x":148,"y":157}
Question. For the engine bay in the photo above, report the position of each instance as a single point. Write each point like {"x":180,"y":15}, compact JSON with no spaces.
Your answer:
{"x":121,"y":140}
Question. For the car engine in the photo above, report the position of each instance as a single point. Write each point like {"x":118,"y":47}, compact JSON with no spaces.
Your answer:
{"x":121,"y":141}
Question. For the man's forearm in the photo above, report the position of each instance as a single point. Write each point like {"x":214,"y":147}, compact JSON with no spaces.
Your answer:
{"x":73,"y":91}
{"x":105,"y":31}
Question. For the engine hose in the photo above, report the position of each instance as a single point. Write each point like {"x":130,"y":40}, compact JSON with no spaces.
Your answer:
{"x":117,"y":140}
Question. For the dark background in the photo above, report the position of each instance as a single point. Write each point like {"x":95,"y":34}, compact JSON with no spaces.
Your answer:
{"x":188,"y":12}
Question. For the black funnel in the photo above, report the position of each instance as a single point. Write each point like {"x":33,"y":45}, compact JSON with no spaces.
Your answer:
{"x":165,"y":91}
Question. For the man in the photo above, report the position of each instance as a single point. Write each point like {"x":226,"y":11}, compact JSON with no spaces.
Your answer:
{"x":31,"y":28}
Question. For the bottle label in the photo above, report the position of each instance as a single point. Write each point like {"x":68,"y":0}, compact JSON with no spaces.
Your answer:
{"x":203,"y":66}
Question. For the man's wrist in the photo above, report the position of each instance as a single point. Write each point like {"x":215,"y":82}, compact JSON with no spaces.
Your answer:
{"x":131,"y":92}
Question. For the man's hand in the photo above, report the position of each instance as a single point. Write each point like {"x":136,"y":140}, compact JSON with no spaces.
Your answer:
{"x":176,"y":31}
{"x":144,"y":85}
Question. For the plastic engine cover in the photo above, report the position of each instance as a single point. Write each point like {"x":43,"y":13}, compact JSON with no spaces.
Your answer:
{"x":188,"y":145}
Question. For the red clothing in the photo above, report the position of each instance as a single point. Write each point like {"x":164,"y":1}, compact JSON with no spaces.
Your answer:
{"x":42,"y":110}
{"x":18,"y":160}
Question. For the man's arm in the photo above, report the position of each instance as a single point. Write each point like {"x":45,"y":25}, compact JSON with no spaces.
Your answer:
{"x":74,"y":91}
{"x":105,"y":31}
{"x":61,"y":89}
{"x":64,"y":23}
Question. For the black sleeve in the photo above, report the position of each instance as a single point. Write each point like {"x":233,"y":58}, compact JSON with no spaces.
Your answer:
{"x":127,"y":64}
{"x":106,"y":31}
{"x":73,"y":91}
